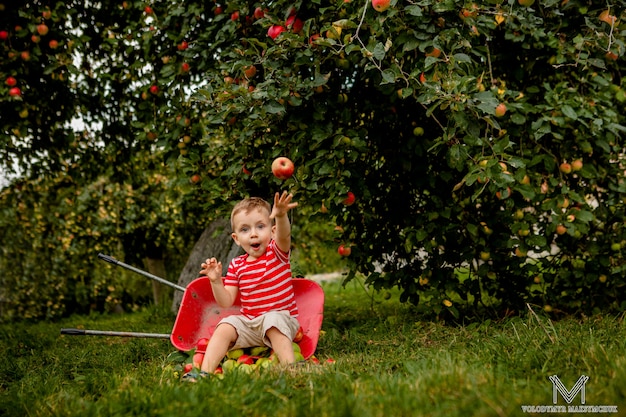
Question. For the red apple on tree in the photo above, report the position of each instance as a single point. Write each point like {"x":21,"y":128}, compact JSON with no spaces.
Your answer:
{"x":148,"y":10}
{"x":380,"y":5}
{"x":4,"y":35}
{"x":15,"y":92}
{"x":259,"y":13}
{"x":154,"y":89}
{"x":294,"y":24}
{"x":182,"y":46}
{"x":53,"y":44}
{"x":275,"y":30}
{"x":350,"y":199}
{"x":500,"y":110}
{"x":11,"y":81}
{"x":250,"y":71}
{"x":184,"y":67}
{"x":344,"y":250}
{"x":282,"y":168}
{"x":42,"y":29}
{"x":565,"y":168}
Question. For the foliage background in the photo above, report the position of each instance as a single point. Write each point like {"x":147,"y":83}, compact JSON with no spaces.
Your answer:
{"x":460,"y":207}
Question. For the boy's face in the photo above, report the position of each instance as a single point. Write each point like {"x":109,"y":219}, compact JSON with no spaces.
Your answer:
{"x":253,"y":231}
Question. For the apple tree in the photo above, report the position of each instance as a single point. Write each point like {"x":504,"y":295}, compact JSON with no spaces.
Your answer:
{"x":481,"y":139}
{"x":468,"y":153}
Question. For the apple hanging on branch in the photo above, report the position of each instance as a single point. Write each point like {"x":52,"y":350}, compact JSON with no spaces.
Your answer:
{"x":282,"y":168}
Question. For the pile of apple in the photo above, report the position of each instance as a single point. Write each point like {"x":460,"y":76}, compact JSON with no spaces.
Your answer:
{"x":246,"y":360}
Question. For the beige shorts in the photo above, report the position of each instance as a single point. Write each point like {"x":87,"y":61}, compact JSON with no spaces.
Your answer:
{"x":252,"y":332}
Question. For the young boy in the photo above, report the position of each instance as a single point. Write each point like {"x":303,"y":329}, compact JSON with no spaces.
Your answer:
{"x":261,"y":277}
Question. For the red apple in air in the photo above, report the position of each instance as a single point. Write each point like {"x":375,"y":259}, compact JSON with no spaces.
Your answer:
{"x":11,"y":81}
{"x":15,"y":92}
{"x":350,"y":199}
{"x":275,"y":30}
{"x":380,"y":5}
{"x":344,"y":250}
{"x":282,"y":168}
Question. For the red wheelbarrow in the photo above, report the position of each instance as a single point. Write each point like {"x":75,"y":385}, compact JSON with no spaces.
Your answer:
{"x":199,"y":313}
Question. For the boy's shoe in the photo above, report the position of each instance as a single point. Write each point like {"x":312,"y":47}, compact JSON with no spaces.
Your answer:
{"x":194,"y":375}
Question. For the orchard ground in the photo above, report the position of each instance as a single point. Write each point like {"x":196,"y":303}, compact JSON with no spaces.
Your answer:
{"x":390,"y":359}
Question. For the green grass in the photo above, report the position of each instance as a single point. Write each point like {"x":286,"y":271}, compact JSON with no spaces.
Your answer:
{"x":390,"y":361}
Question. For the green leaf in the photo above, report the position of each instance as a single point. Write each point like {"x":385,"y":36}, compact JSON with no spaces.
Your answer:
{"x":569,"y":112}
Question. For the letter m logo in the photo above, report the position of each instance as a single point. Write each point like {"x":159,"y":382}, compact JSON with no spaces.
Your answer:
{"x":568,"y":395}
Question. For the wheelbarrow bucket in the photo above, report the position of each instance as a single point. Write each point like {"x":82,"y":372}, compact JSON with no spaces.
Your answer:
{"x":199,"y":314}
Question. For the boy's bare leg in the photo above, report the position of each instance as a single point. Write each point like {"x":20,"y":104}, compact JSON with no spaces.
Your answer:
{"x":223,"y":337}
{"x":281,"y":345}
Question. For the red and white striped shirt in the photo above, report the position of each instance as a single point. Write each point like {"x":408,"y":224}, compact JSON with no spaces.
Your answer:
{"x":264,"y":284}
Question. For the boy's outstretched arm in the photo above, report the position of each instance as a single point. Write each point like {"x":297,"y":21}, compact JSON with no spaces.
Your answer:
{"x":282,"y":234}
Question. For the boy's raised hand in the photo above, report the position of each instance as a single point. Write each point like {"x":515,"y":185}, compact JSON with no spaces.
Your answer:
{"x":212,"y":269}
{"x":282,"y":204}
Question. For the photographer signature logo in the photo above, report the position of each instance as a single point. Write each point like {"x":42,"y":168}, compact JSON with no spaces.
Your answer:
{"x":568,"y":396}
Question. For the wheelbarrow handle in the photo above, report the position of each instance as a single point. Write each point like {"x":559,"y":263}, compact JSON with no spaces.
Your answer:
{"x":82,"y":332}
{"x":114,"y":261}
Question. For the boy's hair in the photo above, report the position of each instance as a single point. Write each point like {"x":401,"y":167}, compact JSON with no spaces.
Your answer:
{"x":247,"y":205}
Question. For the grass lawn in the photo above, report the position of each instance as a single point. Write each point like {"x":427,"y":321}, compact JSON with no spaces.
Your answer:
{"x":390,"y":361}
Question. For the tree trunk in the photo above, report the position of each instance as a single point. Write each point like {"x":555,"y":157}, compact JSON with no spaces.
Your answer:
{"x":215,"y":242}
{"x":156,"y":267}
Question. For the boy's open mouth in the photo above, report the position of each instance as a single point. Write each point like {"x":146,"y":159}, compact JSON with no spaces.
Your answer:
{"x":256,"y":245}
